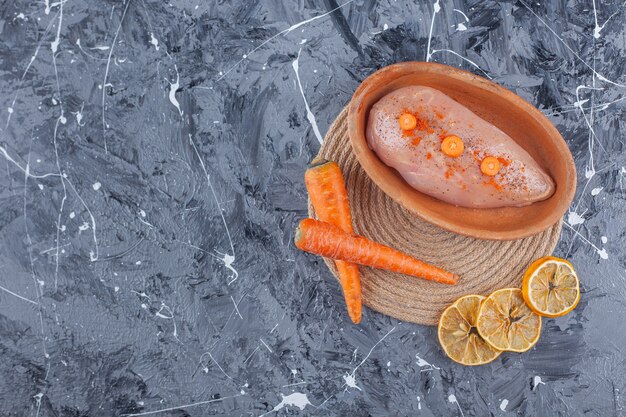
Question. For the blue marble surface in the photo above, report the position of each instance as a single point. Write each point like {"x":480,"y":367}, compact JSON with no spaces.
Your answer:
{"x":151,"y":162}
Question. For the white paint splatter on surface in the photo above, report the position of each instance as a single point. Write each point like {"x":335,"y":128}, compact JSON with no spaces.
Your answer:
{"x":154,"y":41}
{"x":537,"y":381}
{"x":30,"y":63}
{"x":179,"y":407}
{"x":602,"y":252}
{"x":469,"y":61}
{"x":63,"y":199}
{"x":172,"y":93}
{"x":422,"y":363}
{"x":241,"y":317}
{"x":291,"y":28}
{"x":596,"y":191}
{"x":227,"y":259}
{"x":598,"y":28}
{"x":385,"y":27}
{"x":574,"y":218}
{"x":309,"y":114}
{"x":18,"y":296}
{"x":590,"y":170}
{"x":84,"y":51}
{"x":462,"y":14}
{"x":452,"y":399}
{"x":55,"y":45}
{"x":503,"y":404}
{"x":352,"y":375}
{"x":351,"y":381}
{"x":94,"y":254}
{"x":436,"y":9}
{"x":297,"y":399}
{"x":96,"y":186}
{"x":266,"y":346}
{"x":79,"y":115}
{"x":205,"y":366}
{"x":106,"y":76}
{"x":569,"y":48}
{"x":579,"y":103}
{"x":26,"y":170}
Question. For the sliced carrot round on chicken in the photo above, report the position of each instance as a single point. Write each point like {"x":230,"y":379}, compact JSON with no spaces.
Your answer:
{"x":407,"y":121}
{"x":490,"y":166}
{"x":452,"y":146}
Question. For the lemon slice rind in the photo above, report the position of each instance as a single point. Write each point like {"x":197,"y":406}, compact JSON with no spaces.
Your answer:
{"x":507,"y":323}
{"x":460,"y":343}
{"x":551,"y":287}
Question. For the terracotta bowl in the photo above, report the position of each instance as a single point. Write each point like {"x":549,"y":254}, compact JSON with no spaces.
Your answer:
{"x":509,"y":112}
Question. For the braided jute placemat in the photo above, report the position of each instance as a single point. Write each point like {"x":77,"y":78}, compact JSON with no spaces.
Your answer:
{"x":483,"y":265}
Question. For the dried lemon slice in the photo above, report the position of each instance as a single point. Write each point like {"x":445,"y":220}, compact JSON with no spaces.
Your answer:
{"x":551,"y":287}
{"x":506,"y":322}
{"x":458,"y":335}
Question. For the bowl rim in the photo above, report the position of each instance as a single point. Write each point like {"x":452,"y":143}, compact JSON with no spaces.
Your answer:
{"x":365,"y":156}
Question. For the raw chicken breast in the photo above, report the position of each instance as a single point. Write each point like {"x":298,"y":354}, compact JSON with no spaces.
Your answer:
{"x":417,"y":155}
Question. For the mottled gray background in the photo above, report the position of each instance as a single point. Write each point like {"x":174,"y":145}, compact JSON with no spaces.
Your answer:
{"x":151,"y":161}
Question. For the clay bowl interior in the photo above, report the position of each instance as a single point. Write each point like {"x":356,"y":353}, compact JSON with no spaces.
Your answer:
{"x":509,"y":112}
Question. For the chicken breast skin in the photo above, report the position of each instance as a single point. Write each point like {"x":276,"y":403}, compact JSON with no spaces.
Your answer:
{"x":417,"y":155}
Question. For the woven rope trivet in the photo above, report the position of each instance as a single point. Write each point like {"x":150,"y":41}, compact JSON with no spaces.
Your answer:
{"x":483,"y":265}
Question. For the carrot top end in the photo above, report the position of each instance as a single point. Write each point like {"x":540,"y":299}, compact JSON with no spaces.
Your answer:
{"x":318,"y":162}
{"x":297,"y":236}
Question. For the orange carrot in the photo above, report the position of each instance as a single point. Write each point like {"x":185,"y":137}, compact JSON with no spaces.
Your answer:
{"x":329,"y":241}
{"x":490,"y":166}
{"x":452,"y":146}
{"x":328,"y":194}
{"x":407,"y":121}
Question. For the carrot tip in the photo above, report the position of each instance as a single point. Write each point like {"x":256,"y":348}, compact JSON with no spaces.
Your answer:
{"x":356,"y":319}
{"x":297,"y":237}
